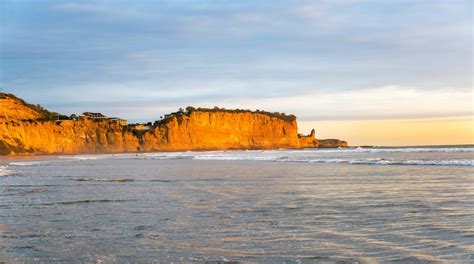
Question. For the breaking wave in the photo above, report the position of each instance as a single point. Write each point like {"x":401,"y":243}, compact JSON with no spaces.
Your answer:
{"x":4,"y":171}
{"x":368,"y":161}
{"x":401,"y":150}
{"x":288,"y":157}
{"x":26,"y":163}
{"x":422,"y":156}
{"x":86,"y":157}
{"x":382,"y":161}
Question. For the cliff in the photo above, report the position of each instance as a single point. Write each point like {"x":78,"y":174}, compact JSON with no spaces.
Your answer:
{"x":29,"y":129}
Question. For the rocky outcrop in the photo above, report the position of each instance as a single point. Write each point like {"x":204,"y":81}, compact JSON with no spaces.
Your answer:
{"x":332,"y":143}
{"x":308,"y":141}
{"x":28,"y":129}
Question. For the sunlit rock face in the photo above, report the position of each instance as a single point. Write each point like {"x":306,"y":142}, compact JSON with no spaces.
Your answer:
{"x":29,"y":129}
{"x":15,"y":108}
{"x":66,"y":137}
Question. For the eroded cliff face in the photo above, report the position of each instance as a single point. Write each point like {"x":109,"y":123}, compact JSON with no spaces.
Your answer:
{"x":222,"y":130}
{"x":64,"y":137}
{"x":23,"y":130}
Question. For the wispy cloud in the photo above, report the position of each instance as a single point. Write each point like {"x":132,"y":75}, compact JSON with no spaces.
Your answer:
{"x":369,"y":103}
{"x":97,"y":9}
{"x":316,"y":59}
{"x":388,"y":102}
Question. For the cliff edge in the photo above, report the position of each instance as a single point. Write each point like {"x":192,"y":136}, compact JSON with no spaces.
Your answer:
{"x":30,"y":129}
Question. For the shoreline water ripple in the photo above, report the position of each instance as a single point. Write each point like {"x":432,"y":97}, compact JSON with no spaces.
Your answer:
{"x":246,"y":206}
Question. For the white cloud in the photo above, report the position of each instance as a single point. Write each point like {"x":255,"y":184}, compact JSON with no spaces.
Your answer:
{"x":382,"y":102}
{"x":388,"y":102}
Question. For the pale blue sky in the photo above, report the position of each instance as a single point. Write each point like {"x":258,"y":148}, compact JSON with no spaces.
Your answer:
{"x":321,"y":60}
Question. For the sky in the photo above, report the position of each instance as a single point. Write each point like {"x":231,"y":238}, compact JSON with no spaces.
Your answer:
{"x":395,"y":72}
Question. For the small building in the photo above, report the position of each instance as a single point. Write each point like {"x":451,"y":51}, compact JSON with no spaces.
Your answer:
{"x":121,"y":122}
{"x":94,"y":115}
{"x":141,"y":127}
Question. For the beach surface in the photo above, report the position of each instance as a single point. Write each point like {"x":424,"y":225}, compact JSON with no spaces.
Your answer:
{"x":297,"y":206}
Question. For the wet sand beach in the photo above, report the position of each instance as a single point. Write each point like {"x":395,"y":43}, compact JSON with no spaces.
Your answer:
{"x":246,"y":206}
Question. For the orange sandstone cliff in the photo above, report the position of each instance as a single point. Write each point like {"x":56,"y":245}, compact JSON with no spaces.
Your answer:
{"x":30,"y":129}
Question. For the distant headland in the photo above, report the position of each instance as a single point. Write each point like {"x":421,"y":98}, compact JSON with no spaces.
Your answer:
{"x":27,"y":129}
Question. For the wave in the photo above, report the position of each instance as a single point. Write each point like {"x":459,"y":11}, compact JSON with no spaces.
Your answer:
{"x":86,"y":157}
{"x":26,"y":163}
{"x":306,"y":159}
{"x":4,"y":171}
{"x":353,"y":156}
{"x":194,"y":154}
{"x":287,"y":157}
{"x":101,"y":180}
{"x":407,"y":162}
{"x":92,"y":201}
{"x":249,"y":158}
{"x":306,"y":156}
{"x":390,"y":150}
{"x":86,"y":202}
{"x":312,"y":150}
{"x":368,"y":161}
{"x":168,"y":156}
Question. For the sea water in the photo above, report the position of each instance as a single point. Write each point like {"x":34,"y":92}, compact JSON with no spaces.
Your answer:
{"x":293,"y":206}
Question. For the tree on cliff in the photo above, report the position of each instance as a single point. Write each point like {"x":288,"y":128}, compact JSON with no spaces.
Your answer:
{"x":190,"y":109}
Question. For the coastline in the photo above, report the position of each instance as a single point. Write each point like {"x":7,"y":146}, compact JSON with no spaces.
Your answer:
{"x":159,"y":151}
{"x":225,"y":150}
{"x":31,"y":130}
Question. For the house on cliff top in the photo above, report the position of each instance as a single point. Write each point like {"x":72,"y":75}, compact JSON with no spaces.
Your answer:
{"x":94,"y":115}
{"x":122,"y":122}
{"x":141,"y":127}
{"x":99,"y":116}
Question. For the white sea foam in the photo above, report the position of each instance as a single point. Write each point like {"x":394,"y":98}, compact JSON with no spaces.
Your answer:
{"x":4,"y":171}
{"x":166,"y":156}
{"x":85,"y":157}
{"x":291,"y":156}
{"x":26,"y":163}
{"x":237,"y":157}
{"x":369,"y":161}
{"x":349,"y":156}
{"x":414,"y":162}
{"x":402,"y":150}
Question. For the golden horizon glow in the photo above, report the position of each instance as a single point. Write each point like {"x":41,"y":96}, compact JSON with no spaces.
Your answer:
{"x":396,"y":132}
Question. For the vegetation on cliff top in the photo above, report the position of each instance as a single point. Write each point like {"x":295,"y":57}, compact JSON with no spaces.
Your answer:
{"x":46,"y":115}
{"x":43,"y":113}
{"x":289,"y":118}
{"x":190,"y":109}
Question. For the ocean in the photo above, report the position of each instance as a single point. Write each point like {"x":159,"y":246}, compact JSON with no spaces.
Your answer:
{"x":353,"y":205}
